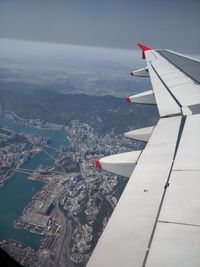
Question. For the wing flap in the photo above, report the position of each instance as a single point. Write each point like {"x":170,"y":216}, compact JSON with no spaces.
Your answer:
{"x":182,"y":203}
{"x":188,"y":154}
{"x":177,"y":232}
{"x":167,"y":105}
{"x":188,"y":94}
{"x":175,"y":245}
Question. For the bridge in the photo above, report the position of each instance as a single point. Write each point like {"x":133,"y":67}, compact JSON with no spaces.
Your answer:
{"x":23,"y":170}
{"x":29,"y":171}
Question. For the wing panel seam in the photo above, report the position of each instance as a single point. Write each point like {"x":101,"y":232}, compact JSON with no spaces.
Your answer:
{"x":187,"y":224}
{"x":175,"y":99}
{"x":181,"y":127}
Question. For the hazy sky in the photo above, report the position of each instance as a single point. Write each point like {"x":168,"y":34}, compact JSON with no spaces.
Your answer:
{"x":172,"y":24}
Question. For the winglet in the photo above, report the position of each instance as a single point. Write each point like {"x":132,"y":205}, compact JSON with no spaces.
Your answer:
{"x":98,"y":164}
{"x":144,"y":48}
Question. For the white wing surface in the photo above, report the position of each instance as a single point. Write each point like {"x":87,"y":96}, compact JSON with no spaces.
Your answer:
{"x":157,"y":219}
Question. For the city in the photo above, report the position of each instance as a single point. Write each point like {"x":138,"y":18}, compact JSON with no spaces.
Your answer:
{"x":76,"y":200}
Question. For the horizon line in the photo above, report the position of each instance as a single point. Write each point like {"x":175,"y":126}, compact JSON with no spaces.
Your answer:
{"x":69,"y":44}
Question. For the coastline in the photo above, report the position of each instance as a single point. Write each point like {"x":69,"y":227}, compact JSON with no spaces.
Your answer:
{"x":36,"y":160}
{"x":35,"y":123}
{"x":13,"y":172}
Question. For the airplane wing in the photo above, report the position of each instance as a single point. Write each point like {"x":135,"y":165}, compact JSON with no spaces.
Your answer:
{"x":157,"y":219}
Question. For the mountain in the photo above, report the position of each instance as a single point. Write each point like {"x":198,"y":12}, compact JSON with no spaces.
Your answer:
{"x":104,"y":113}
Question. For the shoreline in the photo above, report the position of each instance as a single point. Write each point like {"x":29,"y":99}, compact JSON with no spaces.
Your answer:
{"x":13,"y":172}
{"x":30,"y":122}
{"x":35,"y":178}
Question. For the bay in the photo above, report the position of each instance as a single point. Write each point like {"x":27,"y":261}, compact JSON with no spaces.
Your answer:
{"x":18,"y":191}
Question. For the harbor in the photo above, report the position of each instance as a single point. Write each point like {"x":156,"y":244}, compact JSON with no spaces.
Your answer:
{"x":18,"y":190}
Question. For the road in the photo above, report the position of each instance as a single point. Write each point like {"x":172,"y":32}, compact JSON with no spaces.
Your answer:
{"x":63,"y":229}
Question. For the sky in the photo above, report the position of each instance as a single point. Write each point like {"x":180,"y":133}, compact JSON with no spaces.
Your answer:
{"x":172,"y":24}
{"x":42,"y":54}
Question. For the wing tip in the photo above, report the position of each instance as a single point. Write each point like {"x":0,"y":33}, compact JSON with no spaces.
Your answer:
{"x":144,"y":48}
